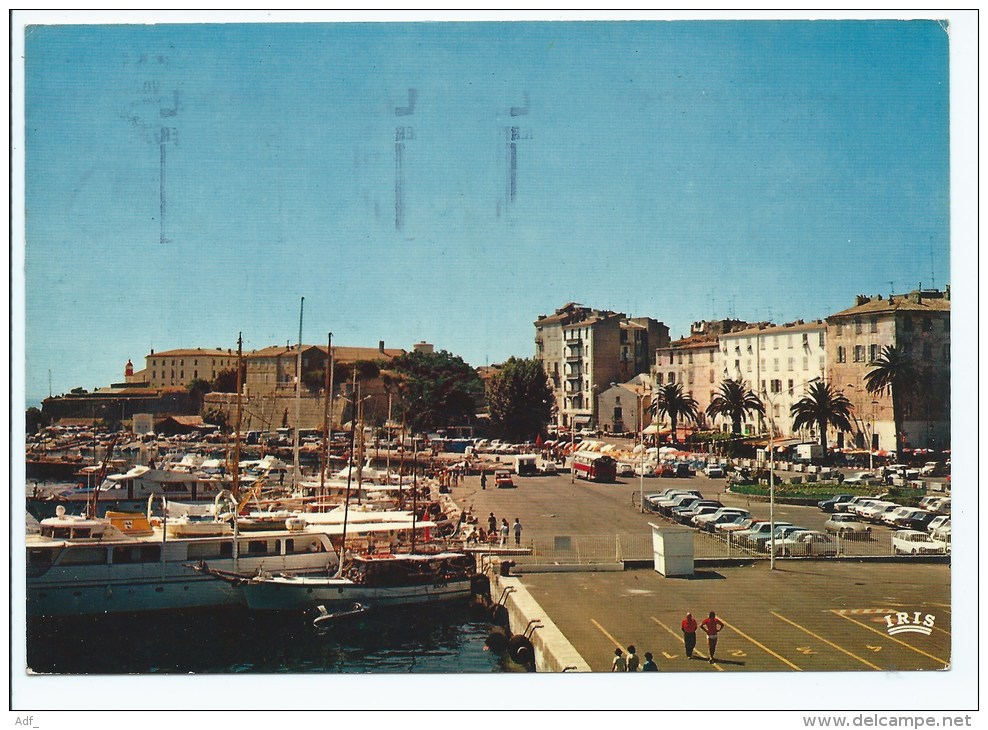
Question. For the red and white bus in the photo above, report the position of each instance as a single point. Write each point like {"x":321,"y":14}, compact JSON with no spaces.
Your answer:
{"x":594,"y":467}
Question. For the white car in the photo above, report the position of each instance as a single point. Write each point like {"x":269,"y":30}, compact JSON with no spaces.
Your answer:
{"x":724,"y":514}
{"x":873,"y":512}
{"x":941,"y":535}
{"x":856,"y":508}
{"x":862,"y":478}
{"x":900,"y":513}
{"x":938,"y":522}
{"x":625,"y":470}
{"x":847,"y":526}
{"x":806,"y":543}
{"x":914,"y":542}
{"x":714,"y":471}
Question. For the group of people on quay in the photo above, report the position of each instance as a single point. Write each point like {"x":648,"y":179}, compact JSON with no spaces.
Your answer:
{"x":711,"y":626}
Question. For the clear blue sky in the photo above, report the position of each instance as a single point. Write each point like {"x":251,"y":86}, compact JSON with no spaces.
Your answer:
{"x":677,"y":170}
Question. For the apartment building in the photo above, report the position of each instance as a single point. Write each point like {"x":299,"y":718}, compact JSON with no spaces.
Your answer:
{"x":777,"y":362}
{"x":918,"y":322}
{"x":695,"y":361}
{"x":178,"y":368}
{"x":584,"y":350}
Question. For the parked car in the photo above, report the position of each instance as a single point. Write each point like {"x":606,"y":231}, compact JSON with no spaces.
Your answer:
{"x":892,"y":517}
{"x":676,"y":499}
{"x":737,"y":525}
{"x":830,"y":505}
{"x":919,"y":520}
{"x":861,"y":478}
{"x":547,"y":467}
{"x":697,"y":512}
{"x":761,"y":530}
{"x":702,"y":520}
{"x":806,"y":543}
{"x":930,"y":501}
{"x":714,"y":471}
{"x":937,"y":522}
{"x":941,"y":535}
{"x":685,"y":516}
{"x":847,"y":526}
{"x":875,"y":512}
{"x":686,"y":502}
{"x":710,"y":524}
{"x":625,"y":470}
{"x":943,"y":507}
{"x":644,"y":470}
{"x":503,"y":480}
{"x":914,"y":542}
{"x":764,"y":541}
{"x":933,"y":469}
{"x":857,"y":508}
{"x":683,"y":469}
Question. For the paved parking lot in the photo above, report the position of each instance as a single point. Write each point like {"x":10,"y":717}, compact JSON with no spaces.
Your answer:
{"x":814,"y":615}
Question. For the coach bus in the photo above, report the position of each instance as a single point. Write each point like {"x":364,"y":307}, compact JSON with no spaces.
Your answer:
{"x":594,"y":467}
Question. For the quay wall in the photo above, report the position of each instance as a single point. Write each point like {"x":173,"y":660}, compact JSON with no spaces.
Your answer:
{"x":553,"y":651}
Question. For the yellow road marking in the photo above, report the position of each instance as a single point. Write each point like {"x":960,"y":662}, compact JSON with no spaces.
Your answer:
{"x":892,"y":638}
{"x":680,"y":638}
{"x":828,"y":643}
{"x":761,"y":646}
{"x":604,"y":631}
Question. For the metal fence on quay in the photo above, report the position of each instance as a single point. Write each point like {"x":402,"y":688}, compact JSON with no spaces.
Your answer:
{"x":601,"y":549}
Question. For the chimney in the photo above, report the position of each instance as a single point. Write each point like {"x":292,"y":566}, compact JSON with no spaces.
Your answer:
{"x":152,"y":350}
{"x":380,"y":346}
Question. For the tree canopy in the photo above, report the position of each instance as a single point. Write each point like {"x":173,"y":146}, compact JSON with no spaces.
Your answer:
{"x":670,"y":400}
{"x":519,"y":400}
{"x":822,"y":405}
{"x":437,"y":390}
{"x":893,"y":372}
{"x":734,"y":401}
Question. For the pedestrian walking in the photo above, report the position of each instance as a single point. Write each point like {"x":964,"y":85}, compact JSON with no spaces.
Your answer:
{"x":619,"y":664}
{"x":483,"y":480}
{"x":712,"y":626}
{"x":492,"y":523}
{"x":632,"y":660}
{"x":517,"y":532}
{"x":504,"y":533}
{"x":689,"y":634}
{"x":649,"y":665}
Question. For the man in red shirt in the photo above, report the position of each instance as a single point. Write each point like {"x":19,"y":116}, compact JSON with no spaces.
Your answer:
{"x":689,"y":634}
{"x":712,"y":626}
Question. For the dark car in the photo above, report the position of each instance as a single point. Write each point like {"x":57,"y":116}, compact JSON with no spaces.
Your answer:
{"x":919,"y":521}
{"x":830,"y":505}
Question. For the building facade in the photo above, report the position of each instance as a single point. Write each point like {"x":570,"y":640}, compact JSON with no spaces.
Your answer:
{"x":625,"y":407}
{"x":178,"y":368}
{"x":919,"y":323}
{"x":696,"y":362}
{"x":777,"y":362}
{"x":583,"y":351}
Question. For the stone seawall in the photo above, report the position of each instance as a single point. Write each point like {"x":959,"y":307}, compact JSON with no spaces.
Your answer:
{"x":553,"y":651}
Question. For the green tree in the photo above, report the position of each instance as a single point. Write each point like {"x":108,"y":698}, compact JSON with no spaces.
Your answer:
{"x":822,"y":405}
{"x":735,"y":401}
{"x":895,"y":373}
{"x":34,"y":420}
{"x":226,"y":380}
{"x":197,"y":390}
{"x":519,"y":400}
{"x":670,"y":400}
{"x":439,"y":390}
{"x":314,"y":380}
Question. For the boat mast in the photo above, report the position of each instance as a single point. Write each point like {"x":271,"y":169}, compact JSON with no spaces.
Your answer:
{"x":327,"y":423}
{"x":349,"y":473}
{"x":415,"y":486}
{"x":236,"y":436}
{"x":298,"y":395}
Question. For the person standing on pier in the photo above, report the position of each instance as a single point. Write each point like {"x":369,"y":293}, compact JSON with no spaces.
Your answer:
{"x":504,"y":533}
{"x":649,"y":665}
{"x":483,"y":480}
{"x":492,"y":523}
{"x":632,"y":659}
{"x":712,"y":626}
{"x":619,"y":664}
{"x":517,"y":532}
{"x":689,"y":634}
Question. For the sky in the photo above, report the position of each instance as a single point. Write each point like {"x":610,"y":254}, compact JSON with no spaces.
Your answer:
{"x":184,"y":183}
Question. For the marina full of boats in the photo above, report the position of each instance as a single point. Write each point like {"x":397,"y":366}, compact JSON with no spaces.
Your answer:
{"x":195,"y":533}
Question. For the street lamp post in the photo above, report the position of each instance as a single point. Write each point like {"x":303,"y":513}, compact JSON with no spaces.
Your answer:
{"x":771,"y":478}
{"x":641,"y":443}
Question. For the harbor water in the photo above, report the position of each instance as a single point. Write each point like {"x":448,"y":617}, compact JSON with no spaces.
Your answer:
{"x":448,"y":639}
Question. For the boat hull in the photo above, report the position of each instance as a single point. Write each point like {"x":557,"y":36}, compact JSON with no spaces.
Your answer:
{"x":288,"y":594}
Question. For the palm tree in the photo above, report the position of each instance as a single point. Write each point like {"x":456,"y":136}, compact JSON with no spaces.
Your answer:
{"x":735,"y":401}
{"x":893,"y":372}
{"x":822,"y":405}
{"x":670,"y":400}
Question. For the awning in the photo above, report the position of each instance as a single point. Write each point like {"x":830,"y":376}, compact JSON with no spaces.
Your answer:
{"x":651,"y":429}
{"x":581,"y":419}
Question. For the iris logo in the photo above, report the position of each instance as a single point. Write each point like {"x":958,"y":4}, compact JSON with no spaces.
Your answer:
{"x":916,"y":623}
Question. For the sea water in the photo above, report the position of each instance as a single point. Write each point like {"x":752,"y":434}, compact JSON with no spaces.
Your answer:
{"x":446,"y":638}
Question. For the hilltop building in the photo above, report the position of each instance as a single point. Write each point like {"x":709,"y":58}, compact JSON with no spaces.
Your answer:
{"x":584,"y":350}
